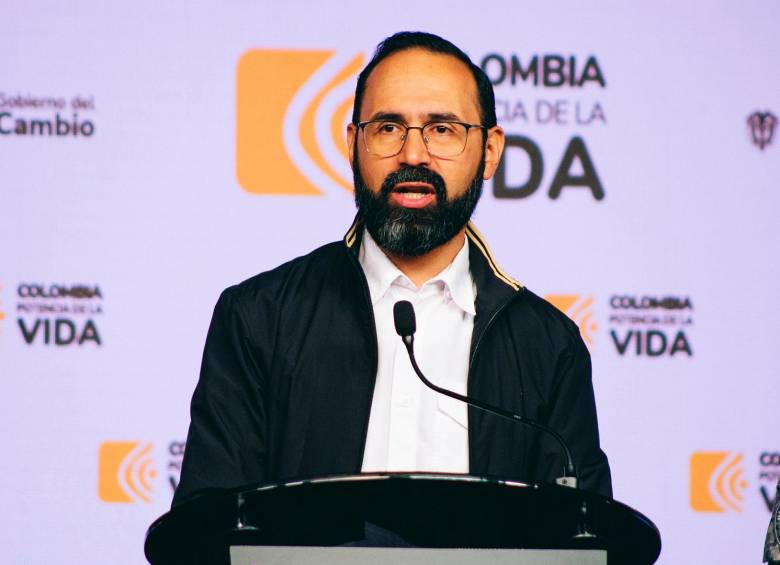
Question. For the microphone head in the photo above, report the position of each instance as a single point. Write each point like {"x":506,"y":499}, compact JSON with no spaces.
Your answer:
{"x":403,"y":316}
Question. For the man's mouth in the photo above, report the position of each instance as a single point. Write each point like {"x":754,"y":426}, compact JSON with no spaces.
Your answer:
{"x":413,"y":194}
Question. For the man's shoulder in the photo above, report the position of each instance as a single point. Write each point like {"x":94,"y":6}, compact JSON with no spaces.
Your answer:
{"x":541,"y":316}
{"x":297,"y":274}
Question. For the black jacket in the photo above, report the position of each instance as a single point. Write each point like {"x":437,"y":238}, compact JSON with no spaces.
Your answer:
{"x":290,"y":362}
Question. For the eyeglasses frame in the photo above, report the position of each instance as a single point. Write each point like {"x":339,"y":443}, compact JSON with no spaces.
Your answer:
{"x":362,"y":126}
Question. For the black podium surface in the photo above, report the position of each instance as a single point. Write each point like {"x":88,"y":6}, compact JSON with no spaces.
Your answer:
{"x":426,"y":510}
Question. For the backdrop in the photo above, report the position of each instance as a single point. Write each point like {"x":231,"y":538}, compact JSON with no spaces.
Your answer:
{"x":152,"y":154}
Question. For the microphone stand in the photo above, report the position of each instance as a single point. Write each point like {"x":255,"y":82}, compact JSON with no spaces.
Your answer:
{"x":569,"y":477}
{"x":405,"y":326}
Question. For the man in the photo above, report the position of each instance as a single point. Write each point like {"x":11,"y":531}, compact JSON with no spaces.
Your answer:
{"x":772,"y":542}
{"x":303,"y":374}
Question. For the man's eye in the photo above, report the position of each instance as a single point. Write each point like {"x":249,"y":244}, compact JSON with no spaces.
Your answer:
{"x":389,"y":128}
{"x":441,"y":129}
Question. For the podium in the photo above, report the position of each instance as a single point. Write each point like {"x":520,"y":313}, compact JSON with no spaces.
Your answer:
{"x":429,"y":517}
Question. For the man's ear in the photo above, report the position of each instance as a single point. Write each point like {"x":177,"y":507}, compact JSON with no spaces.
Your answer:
{"x":351,"y":136}
{"x":494,"y":147}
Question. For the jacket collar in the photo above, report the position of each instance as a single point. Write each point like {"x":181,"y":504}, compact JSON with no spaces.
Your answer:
{"x":494,"y":286}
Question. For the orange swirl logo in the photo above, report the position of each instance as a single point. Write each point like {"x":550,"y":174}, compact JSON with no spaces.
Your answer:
{"x":580,"y":309}
{"x":2,"y":314}
{"x":717,"y":481}
{"x":292,"y":110}
{"x":125,"y":471}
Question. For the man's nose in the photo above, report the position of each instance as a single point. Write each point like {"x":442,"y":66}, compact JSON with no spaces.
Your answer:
{"x":414,"y":151}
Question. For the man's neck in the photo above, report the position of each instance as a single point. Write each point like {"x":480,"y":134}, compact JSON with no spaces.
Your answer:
{"x":423,"y":268}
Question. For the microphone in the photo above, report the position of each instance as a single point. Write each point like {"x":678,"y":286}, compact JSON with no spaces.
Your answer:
{"x":404,"y":319}
{"x":405,"y":326}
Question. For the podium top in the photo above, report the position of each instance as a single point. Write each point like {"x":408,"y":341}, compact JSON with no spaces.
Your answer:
{"x":425,"y":509}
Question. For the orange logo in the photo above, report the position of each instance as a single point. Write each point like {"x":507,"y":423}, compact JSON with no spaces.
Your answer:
{"x":579,"y":309}
{"x":717,"y":481}
{"x":125,"y":471}
{"x":293,"y":107}
{"x":2,"y":314}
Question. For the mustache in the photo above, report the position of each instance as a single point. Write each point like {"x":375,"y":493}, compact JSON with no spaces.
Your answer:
{"x":415,"y":174}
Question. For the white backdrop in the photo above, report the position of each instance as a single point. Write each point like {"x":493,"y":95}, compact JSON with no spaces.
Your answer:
{"x":204,"y":154}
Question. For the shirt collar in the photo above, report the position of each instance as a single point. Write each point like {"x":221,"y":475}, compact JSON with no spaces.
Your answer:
{"x":381,"y":273}
{"x":457,"y":279}
{"x":379,"y":269}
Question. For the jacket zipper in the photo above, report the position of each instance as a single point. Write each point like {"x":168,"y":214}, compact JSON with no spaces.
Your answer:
{"x":493,"y":316}
{"x":375,"y":356}
{"x":469,"y":381}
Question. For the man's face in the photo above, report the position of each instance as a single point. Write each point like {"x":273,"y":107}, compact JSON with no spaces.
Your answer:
{"x":413,"y":202}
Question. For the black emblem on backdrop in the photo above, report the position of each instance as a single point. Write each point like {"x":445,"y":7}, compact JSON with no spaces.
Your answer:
{"x":762,"y":128}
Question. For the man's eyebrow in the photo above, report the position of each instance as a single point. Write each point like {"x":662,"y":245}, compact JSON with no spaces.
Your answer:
{"x":433,"y":117}
{"x":444,"y":117}
{"x":388,"y":116}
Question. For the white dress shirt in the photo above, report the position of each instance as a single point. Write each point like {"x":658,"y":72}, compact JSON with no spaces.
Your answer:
{"x":411,"y":427}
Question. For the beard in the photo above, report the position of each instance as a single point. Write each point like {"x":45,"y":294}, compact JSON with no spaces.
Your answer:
{"x":412,"y":232}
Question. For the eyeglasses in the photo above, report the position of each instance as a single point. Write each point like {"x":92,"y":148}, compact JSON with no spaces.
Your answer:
{"x":385,"y":138}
